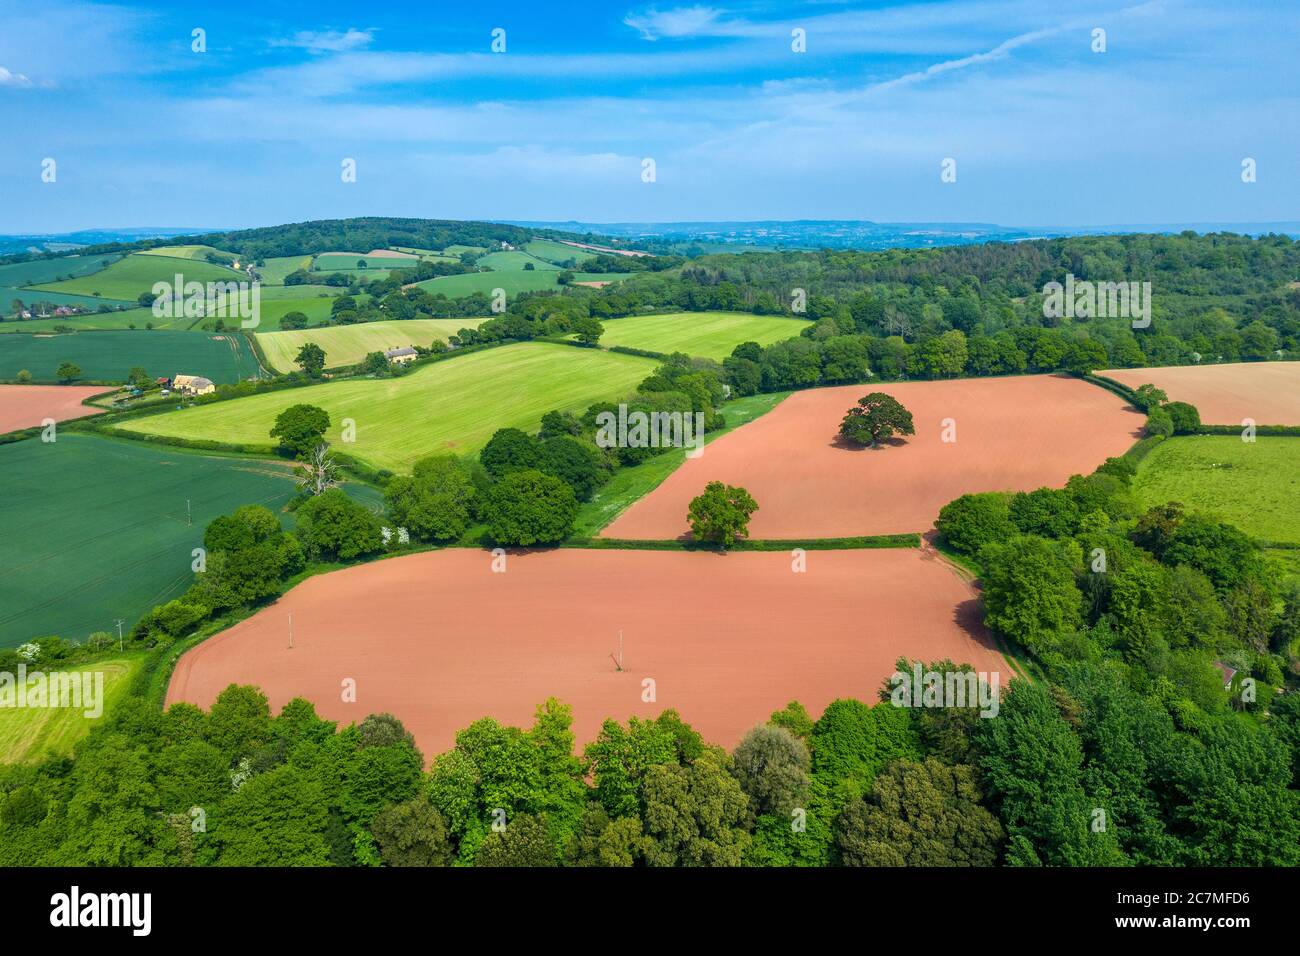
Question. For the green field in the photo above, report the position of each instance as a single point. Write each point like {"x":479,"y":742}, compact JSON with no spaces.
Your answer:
{"x":53,"y":270}
{"x":127,"y":278}
{"x":457,"y":287}
{"x":30,"y":734}
{"x":274,"y":270}
{"x":188,"y":252}
{"x":457,"y":251}
{"x":557,"y":251}
{"x":704,"y":334}
{"x":110,"y":356}
{"x":1253,"y":485}
{"x":349,"y":344}
{"x":347,"y":262}
{"x":96,"y":528}
{"x":454,"y":405}
{"x":512,"y":261}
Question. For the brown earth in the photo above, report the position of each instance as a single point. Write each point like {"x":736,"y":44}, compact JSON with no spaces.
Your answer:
{"x":1267,"y":392}
{"x":440,"y":640}
{"x":1013,"y":434}
{"x":22,"y":406}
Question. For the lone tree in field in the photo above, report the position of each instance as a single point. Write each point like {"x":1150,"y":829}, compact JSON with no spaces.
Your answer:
{"x":300,"y":428}
{"x":69,"y":372}
{"x":311,"y":359}
{"x":875,"y":418}
{"x":721,"y":514}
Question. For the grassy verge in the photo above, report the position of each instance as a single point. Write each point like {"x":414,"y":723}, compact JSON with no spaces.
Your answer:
{"x":629,"y":484}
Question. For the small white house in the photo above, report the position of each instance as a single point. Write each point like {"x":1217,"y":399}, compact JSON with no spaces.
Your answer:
{"x":401,"y":355}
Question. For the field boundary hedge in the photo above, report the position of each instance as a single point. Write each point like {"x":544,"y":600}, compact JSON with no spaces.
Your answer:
{"x":861,"y":542}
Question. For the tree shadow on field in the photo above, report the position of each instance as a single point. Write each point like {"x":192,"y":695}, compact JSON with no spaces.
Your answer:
{"x":969,"y":616}
{"x":846,"y":444}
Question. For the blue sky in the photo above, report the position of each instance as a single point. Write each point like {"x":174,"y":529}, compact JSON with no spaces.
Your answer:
{"x":1044,"y":131}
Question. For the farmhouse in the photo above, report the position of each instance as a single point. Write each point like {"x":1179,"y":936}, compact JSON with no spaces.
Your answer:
{"x":193,"y":384}
{"x":402,"y":355}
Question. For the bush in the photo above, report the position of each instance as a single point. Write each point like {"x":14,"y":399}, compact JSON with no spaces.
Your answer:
{"x":972,"y":521}
{"x":333,"y":526}
{"x":528,"y":507}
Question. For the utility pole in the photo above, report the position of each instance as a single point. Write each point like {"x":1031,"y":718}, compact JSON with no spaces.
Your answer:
{"x":120,"y":622}
{"x":189,"y":516}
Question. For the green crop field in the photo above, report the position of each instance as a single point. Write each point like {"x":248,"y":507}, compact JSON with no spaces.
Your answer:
{"x":127,"y":278}
{"x":511,"y":261}
{"x":109,"y":356}
{"x":29,"y":734}
{"x":274,"y":270}
{"x":34,"y":297}
{"x":349,"y":344}
{"x":347,"y":262}
{"x":557,"y":251}
{"x":457,"y":287}
{"x":189,"y":252}
{"x":1254,"y":485}
{"x":704,"y":334}
{"x":96,"y":528}
{"x":454,"y":405}
{"x":53,"y":270}
{"x":458,"y":250}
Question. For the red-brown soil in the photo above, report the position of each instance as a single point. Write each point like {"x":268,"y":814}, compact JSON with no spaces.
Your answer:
{"x":1013,"y":434}
{"x":440,"y":640}
{"x":1267,"y":392}
{"x":22,"y":406}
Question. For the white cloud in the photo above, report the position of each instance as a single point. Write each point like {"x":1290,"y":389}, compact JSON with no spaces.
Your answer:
{"x":678,"y":22}
{"x":328,"y":41}
{"x":13,"y":79}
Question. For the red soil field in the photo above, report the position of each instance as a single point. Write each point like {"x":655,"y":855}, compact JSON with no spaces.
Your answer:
{"x":1268,"y":392}
{"x":1013,"y":434}
{"x":440,"y":640}
{"x":22,"y":406}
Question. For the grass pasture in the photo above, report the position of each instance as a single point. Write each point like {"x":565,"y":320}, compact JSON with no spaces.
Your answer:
{"x":109,"y":356}
{"x":455,"y":405}
{"x":347,"y":262}
{"x":30,"y":734}
{"x":127,"y":278}
{"x":349,"y":344}
{"x":189,"y":252}
{"x":274,"y":270}
{"x":704,"y":334}
{"x":557,"y":251}
{"x":53,"y":270}
{"x":1253,"y":485}
{"x":511,"y":261}
{"x":458,"y":287}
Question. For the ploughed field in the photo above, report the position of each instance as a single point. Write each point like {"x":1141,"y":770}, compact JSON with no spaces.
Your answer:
{"x":440,"y":639}
{"x":1266,"y":392}
{"x":1012,"y":434}
{"x":22,"y":406}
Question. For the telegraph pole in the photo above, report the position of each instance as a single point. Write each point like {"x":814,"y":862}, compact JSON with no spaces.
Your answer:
{"x":189,"y":516}
{"x":120,"y":622}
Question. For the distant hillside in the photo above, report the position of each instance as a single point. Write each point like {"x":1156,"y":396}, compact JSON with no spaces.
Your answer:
{"x":306,"y":238}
